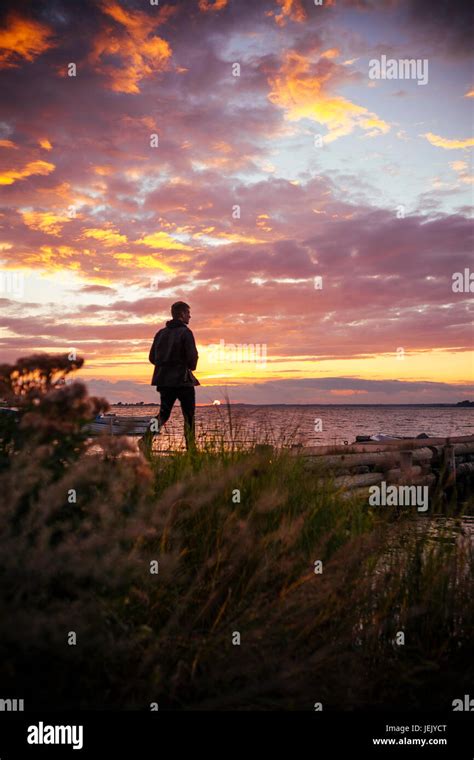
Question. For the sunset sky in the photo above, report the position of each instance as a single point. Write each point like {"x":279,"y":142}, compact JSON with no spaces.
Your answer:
{"x":365,"y":183}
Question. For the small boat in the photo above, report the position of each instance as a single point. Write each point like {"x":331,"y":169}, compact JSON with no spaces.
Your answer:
{"x":7,"y":410}
{"x":381,"y":437}
{"x":113,"y":424}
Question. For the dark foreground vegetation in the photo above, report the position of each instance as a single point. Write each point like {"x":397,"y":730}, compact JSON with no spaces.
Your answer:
{"x":236,"y":536}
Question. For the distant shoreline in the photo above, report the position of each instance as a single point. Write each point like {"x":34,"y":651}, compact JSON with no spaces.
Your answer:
{"x":238,"y":404}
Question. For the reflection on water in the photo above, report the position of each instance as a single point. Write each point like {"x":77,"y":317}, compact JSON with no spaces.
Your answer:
{"x":427,"y":568}
{"x":309,"y":425}
{"x":450,"y":529}
{"x":431,"y":531}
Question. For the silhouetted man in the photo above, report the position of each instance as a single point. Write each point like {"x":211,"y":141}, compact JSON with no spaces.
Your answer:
{"x":175,"y":356}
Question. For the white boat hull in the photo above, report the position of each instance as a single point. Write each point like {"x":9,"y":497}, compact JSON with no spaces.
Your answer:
{"x":110,"y":424}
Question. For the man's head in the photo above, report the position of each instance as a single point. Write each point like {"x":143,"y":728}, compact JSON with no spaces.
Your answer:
{"x":181,"y":311}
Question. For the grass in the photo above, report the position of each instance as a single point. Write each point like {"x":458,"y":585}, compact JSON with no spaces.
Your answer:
{"x":236,"y":535}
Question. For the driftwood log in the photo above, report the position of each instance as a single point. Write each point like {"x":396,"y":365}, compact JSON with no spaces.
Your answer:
{"x":427,"y":461}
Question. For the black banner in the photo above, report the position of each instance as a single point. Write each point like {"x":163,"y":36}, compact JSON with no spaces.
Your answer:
{"x":185,"y":734}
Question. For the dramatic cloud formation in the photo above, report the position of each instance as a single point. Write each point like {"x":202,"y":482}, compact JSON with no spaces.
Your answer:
{"x":22,"y":38}
{"x":304,"y":91}
{"x":238,"y":156}
{"x":212,"y":5}
{"x":290,"y":9}
{"x":133,"y":43}
{"x":9,"y":176}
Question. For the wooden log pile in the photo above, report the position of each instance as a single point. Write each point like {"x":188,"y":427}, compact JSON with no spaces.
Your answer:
{"x":431,"y":461}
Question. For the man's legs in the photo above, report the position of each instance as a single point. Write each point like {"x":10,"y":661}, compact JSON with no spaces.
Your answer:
{"x":187,"y":399}
{"x":168,"y":397}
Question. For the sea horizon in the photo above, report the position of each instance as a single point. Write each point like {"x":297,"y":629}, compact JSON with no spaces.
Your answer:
{"x":239,"y":403}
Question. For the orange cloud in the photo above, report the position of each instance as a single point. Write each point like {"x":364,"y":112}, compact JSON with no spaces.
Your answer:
{"x":290,"y":9}
{"x":462,"y":170}
{"x":22,"y":38}
{"x":212,"y":5}
{"x":305,"y":95}
{"x":45,"y":221}
{"x":54,"y":258}
{"x":163,"y":240}
{"x":34,"y":167}
{"x":469,"y":94}
{"x":45,"y":144}
{"x":133,"y":261}
{"x":443,"y":142}
{"x":107,"y":236}
{"x":8,"y":144}
{"x":141,"y":53}
{"x":103,"y":171}
{"x":331,"y":53}
{"x":346,"y":392}
{"x":234,"y":237}
{"x":65,"y":197}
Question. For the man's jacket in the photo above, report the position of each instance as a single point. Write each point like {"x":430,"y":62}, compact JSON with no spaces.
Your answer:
{"x":174,"y":355}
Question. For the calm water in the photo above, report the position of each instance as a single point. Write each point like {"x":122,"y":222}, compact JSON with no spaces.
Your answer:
{"x":297,"y":424}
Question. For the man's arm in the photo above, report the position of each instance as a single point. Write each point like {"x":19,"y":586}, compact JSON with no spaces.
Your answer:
{"x":151,"y":355}
{"x":190,"y":349}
